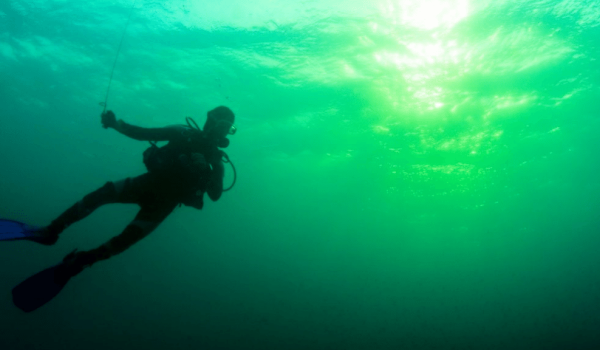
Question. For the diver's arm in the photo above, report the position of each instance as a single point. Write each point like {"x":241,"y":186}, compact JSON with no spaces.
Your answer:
{"x":147,"y":134}
{"x":169,"y":133}
{"x":215,"y":184}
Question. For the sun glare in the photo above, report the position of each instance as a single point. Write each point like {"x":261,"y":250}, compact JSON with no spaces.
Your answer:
{"x":426,"y":14}
{"x":420,"y":61}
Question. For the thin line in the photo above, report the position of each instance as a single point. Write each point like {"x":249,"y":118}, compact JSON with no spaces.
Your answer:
{"x":117,"y":56}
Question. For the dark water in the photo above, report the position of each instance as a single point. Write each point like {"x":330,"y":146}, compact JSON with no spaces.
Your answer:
{"x":411,"y":174}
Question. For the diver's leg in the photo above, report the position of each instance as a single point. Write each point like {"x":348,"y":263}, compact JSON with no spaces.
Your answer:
{"x":146,"y":221}
{"x":104,"y":195}
{"x":129,"y":190}
{"x":48,"y":235}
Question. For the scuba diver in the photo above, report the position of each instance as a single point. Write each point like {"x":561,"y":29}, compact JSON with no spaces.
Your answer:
{"x":180,"y":172}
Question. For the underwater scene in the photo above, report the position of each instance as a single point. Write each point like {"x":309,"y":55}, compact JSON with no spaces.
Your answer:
{"x":407,"y":174}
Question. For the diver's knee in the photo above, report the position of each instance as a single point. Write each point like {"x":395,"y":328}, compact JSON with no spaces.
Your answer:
{"x":144,"y":226}
{"x":103,"y":195}
{"x":108,"y":190}
{"x":132,"y":233}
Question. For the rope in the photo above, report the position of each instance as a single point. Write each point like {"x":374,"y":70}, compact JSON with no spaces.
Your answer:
{"x":104,"y":104}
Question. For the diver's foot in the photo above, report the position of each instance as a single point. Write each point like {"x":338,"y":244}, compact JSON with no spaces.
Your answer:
{"x":43,"y":235}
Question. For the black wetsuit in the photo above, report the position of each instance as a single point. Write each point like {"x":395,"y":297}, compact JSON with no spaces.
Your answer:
{"x":157,"y":193}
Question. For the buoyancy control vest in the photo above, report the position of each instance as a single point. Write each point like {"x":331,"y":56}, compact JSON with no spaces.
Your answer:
{"x":185,"y":161}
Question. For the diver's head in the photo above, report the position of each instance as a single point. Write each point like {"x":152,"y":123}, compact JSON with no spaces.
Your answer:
{"x":219,"y":124}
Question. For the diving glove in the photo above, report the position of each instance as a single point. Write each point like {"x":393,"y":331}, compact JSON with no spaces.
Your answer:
{"x":109,"y":120}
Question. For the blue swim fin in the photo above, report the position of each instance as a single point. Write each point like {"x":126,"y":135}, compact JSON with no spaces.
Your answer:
{"x":42,"y":287}
{"x":11,"y":230}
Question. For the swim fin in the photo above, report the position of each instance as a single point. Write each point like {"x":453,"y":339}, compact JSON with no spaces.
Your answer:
{"x":42,"y":287}
{"x":11,"y":230}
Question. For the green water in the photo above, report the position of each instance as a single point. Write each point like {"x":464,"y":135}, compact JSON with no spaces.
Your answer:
{"x":411,"y":174}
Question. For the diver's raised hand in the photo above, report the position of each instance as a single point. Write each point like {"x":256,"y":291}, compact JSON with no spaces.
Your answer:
{"x":109,"y":120}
